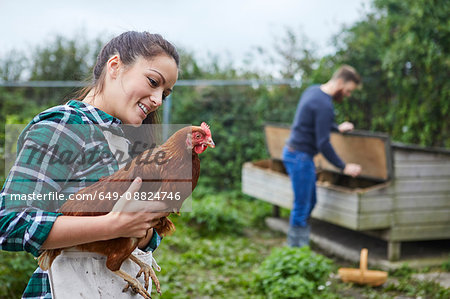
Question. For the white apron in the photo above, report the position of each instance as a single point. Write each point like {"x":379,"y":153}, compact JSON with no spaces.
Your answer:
{"x":78,"y":274}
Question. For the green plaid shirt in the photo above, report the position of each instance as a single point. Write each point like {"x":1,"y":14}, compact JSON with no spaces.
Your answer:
{"x":25,"y":225}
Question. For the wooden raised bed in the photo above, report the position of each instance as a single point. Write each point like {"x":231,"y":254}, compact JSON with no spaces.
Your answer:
{"x":403,"y":193}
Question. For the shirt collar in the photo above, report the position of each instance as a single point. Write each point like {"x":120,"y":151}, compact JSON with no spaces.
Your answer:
{"x":94,"y":114}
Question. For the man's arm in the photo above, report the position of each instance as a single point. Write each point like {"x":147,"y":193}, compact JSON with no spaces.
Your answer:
{"x":323,"y":123}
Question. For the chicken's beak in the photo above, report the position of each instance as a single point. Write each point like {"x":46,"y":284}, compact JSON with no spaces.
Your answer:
{"x":210,"y":143}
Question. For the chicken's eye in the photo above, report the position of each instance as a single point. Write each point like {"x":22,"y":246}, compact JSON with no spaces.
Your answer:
{"x":197,"y":136}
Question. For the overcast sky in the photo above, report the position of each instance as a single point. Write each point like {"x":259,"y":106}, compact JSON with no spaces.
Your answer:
{"x":229,"y":28}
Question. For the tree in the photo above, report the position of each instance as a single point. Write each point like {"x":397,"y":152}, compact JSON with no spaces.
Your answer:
{"x":401,"y":49}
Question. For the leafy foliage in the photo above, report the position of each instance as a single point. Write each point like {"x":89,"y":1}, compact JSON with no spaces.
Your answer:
{"x":213,"y":214}
{"x":402,"y":52}
{"x":293,"y":273}
{"x":15,"y":271}
{"x":236,"y":116}
{"x":446,"y":265}
{"x":413,"y":287}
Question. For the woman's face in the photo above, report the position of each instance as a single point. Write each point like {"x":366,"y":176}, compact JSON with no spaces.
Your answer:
{"x":135,"y":91}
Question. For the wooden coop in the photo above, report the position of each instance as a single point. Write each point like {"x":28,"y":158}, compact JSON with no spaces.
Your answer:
{"x":402,"y":194}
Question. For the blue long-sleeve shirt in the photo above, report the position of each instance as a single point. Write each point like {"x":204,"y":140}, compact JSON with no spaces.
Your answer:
{"x":313,"y":122}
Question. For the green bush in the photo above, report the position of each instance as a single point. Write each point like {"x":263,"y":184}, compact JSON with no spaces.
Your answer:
{"x":15,"y":271}
{"x":236,"y":115}
{"x":213,"y":213}
{"x":404,"y":271}
{"x":446,"y":265}
{"x":293,"y":273}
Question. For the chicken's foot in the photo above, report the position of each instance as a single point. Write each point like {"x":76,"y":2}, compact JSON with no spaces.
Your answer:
{"x":134,"y":283}
{"x":148,"y":271}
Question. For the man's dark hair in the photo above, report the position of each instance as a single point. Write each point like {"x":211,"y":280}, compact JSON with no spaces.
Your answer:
{"x":347,"y":73}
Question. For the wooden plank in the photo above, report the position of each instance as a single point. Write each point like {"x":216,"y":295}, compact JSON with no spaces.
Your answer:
{"x":375,"y":204}
{"x":374,"y":221}
{"x":338,"y":200}
{"x":420,"y":201}
{"x":341,"y":189}
{"x":408,"y":156}
{"x":368,"y":151}
{"x":352,"y":220}
{"x":422,"y":216}
{"x":423,"y":170}
{"x":276,"y":200}
{"x":384,"y":189}
{"x":276,"y":138}
{"x":262,"y":168}
{"x":250,"y":171}
{"x":420,"y":232}
{"x":348,"y":220}
{"x":258,"y":189}
{"x":332,"y":205}
{"x":412,"y":186}
{"x":254,"y":183}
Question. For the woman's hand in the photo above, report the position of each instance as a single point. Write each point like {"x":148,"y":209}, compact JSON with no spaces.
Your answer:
{"x":132,"y":218}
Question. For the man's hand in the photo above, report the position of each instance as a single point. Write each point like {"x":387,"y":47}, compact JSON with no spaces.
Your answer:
{"x":345,"y":127}
{"x":352,"y":169}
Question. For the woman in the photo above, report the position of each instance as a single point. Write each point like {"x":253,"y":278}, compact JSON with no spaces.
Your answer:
{"x":134,"y":72}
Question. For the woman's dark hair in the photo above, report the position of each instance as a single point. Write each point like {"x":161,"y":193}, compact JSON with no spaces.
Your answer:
{"x":129,"y":46}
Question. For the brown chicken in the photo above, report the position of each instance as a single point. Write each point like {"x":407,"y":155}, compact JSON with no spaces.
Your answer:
{"x":176,"y":172}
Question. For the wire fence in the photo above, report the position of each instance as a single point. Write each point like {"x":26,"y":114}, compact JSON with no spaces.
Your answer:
{"x":251,"y":82}
{"x":254,"y":83}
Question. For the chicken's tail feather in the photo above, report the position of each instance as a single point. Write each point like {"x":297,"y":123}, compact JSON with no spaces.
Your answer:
{"x":46,"y":258}
{"x":165,"y":227}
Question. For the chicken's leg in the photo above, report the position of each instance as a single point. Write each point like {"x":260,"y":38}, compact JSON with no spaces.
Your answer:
{"x":148,"y":271}
{"x":134,"y":283}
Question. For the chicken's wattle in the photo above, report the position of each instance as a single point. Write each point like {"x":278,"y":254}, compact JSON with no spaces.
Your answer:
{"x":200,"y":148}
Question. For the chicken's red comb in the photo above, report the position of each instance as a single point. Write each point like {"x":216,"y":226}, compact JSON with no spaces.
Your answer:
{"x":205,"y":128}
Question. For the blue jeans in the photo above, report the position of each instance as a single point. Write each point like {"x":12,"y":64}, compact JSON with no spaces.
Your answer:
{"x":301,"y":169}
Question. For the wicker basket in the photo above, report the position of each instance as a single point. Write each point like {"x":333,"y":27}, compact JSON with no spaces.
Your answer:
{"x":362,"y":275}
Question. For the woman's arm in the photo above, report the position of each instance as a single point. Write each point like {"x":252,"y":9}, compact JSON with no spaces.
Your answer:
{"x":74,"y":230}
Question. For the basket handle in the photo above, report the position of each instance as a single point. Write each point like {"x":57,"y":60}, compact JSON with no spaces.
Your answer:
{"x":363,"y":261}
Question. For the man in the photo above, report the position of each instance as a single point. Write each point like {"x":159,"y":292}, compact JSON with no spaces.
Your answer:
{"x":310,"y":134}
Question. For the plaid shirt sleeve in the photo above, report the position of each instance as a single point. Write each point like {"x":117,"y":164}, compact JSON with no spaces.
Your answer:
{"x":25,"y":224}
{"x":154,"y":242}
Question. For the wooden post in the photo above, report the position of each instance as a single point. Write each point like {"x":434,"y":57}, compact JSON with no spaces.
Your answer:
{"x":394,"y":250}
{"x":275,"y":211}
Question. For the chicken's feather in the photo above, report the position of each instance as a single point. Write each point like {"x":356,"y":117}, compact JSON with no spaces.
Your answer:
{"x":156,"y":177}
